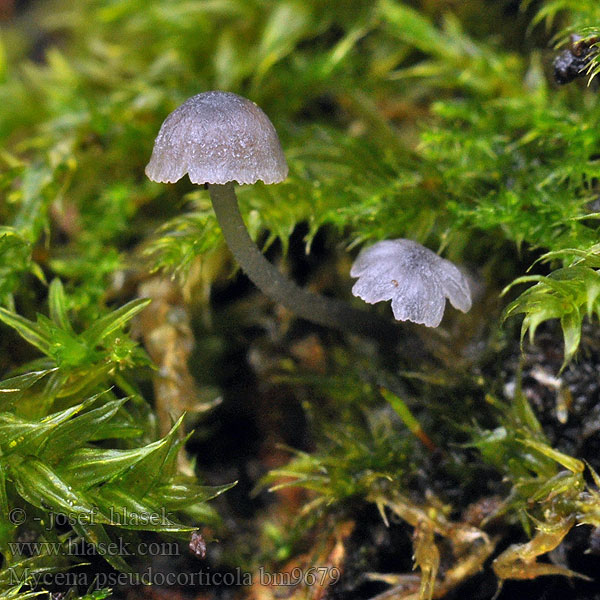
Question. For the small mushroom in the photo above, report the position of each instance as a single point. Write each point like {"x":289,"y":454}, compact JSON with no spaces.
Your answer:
{"x":219,"y":138}
{"x":414,"y":278}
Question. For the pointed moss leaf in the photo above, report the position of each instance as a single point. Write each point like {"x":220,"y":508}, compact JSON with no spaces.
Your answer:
{"x":54,"y":386}
{"x":183,"y":495}
{"x":147,"y":472}
{"x":58,"y":306}
{"x":64,"y":415}
{"x":80,"y":429}
{"x":414,"y":29}
{"x":87,"y":467}
{"x":28,"y":330}
{"x":39,"y":485}
{"x":169,"y":468}
{"x":15,"y":591}
{"x":574,"y":465}
{"x":27,"y":569}
{"x":561,"y":482}
{"x":203,"y":513}
{"x":34,"y":434}
{"x":31,"y":216}
{"x":114,"y":321}
{"x":131,"y":512}
{"x":12,"y":390}
{"x":4,"y":506}
{"x":97,"y":594}
{"x":67,"y":348}
{"x":594,"y":475}
{"x":590,"y":257}
{"x":71,"y":381}
{"x":590,"y":290}
{"x":524,"y":279}
{"x":548,"y":309}
{"x":284,"y":27}
{"x":12,"y":428}
{"x":567,"y":294}
{"x":96,"y":535}
{"x":17,"y":434}
{"x":117,"y":429}
{"x":20,"y":383}
{"x":15,"y":260}
{"x":571,"y":328}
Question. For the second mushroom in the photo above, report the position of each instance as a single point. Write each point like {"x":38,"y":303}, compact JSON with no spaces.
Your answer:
{"x":414,"y":278}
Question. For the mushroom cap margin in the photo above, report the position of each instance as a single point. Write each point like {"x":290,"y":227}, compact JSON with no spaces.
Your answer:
{"x":217,"y":137}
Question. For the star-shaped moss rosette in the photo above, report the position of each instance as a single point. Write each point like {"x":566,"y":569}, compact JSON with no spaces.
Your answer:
{"x":414,"y":278}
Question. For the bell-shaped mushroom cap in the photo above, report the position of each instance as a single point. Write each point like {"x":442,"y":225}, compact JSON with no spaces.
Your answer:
{"x":217,"y":137}
{"x":414,"y":278}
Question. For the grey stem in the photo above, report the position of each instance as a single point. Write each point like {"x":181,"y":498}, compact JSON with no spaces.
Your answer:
{"x":309,"y":306}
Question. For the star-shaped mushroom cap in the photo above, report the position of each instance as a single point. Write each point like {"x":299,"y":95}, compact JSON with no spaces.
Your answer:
{"x":414,"y":278}
{"x":217,"y":137}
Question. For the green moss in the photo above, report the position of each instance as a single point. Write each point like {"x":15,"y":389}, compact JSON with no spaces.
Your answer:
{"x":430,"y":121}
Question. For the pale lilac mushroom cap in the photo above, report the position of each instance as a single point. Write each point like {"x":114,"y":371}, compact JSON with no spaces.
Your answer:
{"x":217,"y":137}
{"x":414,"y":278}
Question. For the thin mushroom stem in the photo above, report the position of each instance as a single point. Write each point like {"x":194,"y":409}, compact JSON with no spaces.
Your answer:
{"x":312,"y":307}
